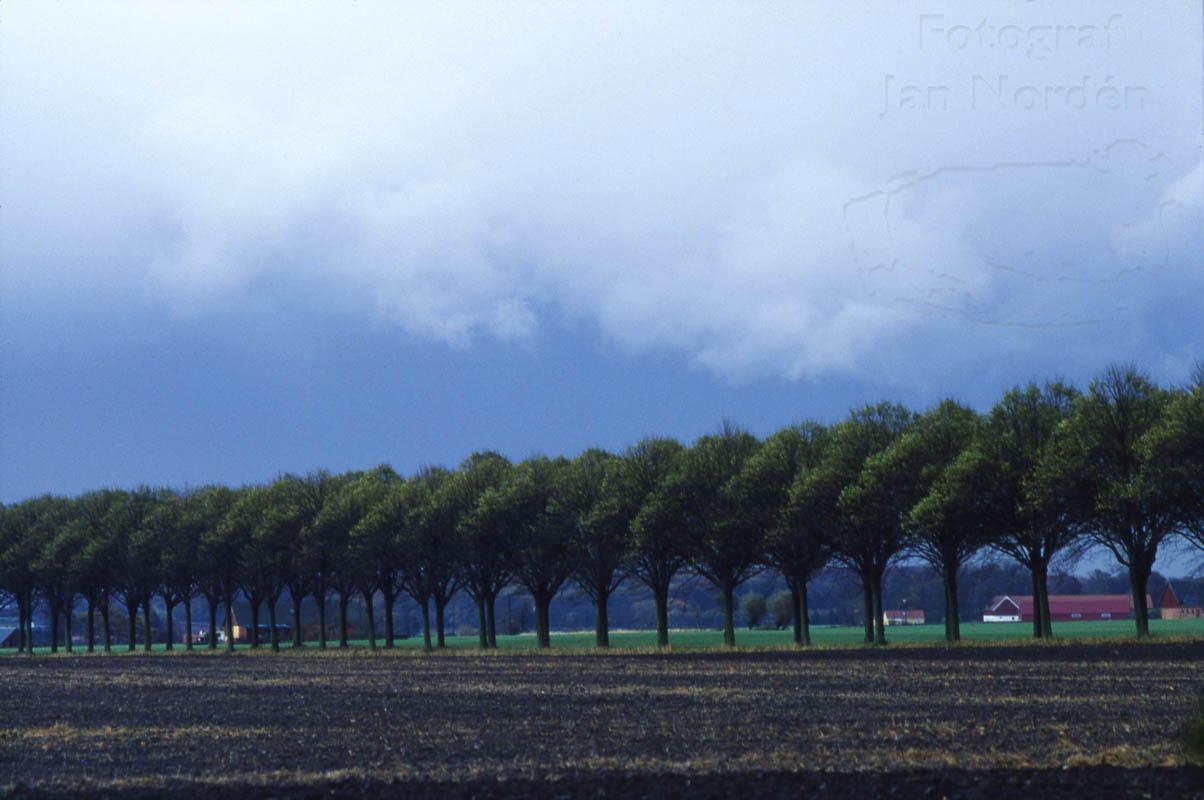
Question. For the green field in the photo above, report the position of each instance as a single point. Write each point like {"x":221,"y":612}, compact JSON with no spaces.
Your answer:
{"x":830,"y":636}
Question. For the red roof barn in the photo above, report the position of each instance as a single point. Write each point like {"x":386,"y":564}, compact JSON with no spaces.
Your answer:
{"x":1062,"y":607}
{"x":903,"y":616}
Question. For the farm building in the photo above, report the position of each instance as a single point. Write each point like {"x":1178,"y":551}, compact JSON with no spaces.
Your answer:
{"x":1062,"y":607}
{"x":1171,"y":608}
{"x":313,"y":632}
{"x":914,"y":616}
{"x":242,"y":633}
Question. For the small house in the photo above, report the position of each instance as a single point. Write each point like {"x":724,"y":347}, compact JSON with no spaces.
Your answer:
{"x":1003,"y":608}
{"x":242,"y":633}
{"x":1170,"y":607}
{"x":913,"y":616}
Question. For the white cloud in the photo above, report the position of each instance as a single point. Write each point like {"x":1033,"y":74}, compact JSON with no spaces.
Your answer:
{"x":745,"y":187}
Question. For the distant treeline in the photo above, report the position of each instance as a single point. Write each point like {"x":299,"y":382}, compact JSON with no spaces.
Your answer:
{"x":1049,"y":470}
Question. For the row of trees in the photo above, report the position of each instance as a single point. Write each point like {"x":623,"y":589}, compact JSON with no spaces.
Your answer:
{"x":1047,"y":470}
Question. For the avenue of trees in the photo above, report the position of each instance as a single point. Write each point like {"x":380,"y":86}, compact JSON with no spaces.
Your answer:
{"x":1047,"y":471}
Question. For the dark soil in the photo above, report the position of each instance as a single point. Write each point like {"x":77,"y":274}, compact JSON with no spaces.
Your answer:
{"x":978,"y":722}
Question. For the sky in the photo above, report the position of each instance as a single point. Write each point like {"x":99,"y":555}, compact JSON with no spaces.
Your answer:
{"x":239,"y":240}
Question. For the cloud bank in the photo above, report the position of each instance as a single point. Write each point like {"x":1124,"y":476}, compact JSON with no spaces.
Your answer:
{"x":764,"y":190}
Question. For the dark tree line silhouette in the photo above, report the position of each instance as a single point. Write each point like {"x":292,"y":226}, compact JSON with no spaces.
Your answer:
{"x":1047,"y":470}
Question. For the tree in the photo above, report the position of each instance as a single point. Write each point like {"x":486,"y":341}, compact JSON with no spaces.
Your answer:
{"x":357,"y":494}
{"x":438,"y":548}
{"x":713,"y":504}
{"x":1031,"y":526}
{"x":219,"y":550}
{"x":867,"y":515}
{"x":1174,"y":456}
{"x":399,"y":538}
{"x":380,"y":540}
{"x":795,"y":541}
{"x":96,"y":573}
{"x":952,"y":522}
{"x":487,"y":557}
{"x":443,"y":570}
{"x":782,"y":608}
{"x":530,"y":511}
{"x":177,"y":568}
{"x":250,"y":526}
{"x":601,"y":533}
{"x":929,"y":457}
{"x":269,"y":559}
{"x":1102,"y":461}
{"x":323,"y":538}
{"x":20,"y":545}
{"x":137,"y":557}
{"x":295,"y":503}
{"x":753,"y":607}
{"x":54,"y":561}
{"x":659,"y":540}
{"x":18,"y":550}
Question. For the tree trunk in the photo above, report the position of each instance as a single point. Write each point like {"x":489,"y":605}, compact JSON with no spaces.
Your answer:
{"x":601,"y":619}
{"x":91,"y":625}
{"x":1046,"y":617}
{"x":491,"y":618}
{"x":273,"y":634}
{"x":169,"y":606}
{"x":729,"y":626}
{"x":1138,"y":580}
{"x":1037,"y":629}
{"x":320,"y":598}
{"x":105,"y":623}
{"x":867,"y":587}
{"x":879,"y":620}
{"x":254,"y":601}
{"x":21,"y":624}
{"x":229,"y":623}
{"x":796,"y":619}
{"x":54,"y":627}
{"x":945,"y":589}
{"x":543,"y":603}
{"x":67,"y":626}
{"x":482,"y":634}
{"x":131,"y":610}
{"x":343,"y":597}
{"x":440,"y":609}
{"x":388,"y":597}
{"x":146,"y":624}
{"x":212,"y":599}
{"x":954,"y":613}
{"x":296,"y":603}
{"x":29,"y":624}
{"x":426,"y":623}
{"x":342,"y":619}
{"x":803,"y":611}
{"x":188,"y":623}
{"x":661,"y":598}
{"x":367,"y":593}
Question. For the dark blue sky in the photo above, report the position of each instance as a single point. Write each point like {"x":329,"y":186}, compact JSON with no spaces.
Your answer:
{"x":143,"y":397}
